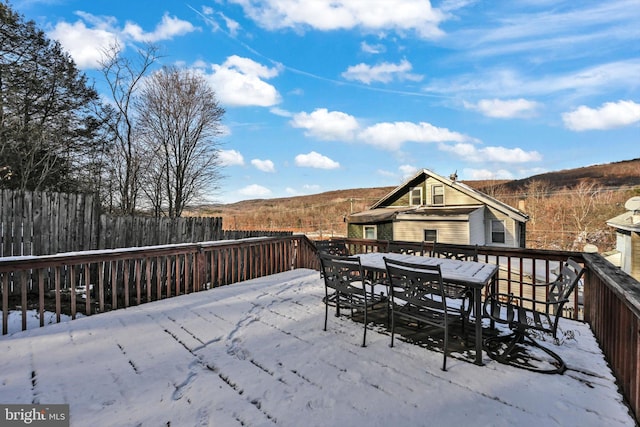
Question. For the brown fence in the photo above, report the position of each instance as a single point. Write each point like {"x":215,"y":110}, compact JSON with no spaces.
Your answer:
{"x":97,"y":281}
{"x":39,"y":223}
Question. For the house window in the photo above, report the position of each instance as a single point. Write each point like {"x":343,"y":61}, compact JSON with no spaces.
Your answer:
{"x":415,"y":196}
{"x":430,"y":235}
{"x":498,"y":234}
{"x":437,"y":195}
{"x":370,"y":232}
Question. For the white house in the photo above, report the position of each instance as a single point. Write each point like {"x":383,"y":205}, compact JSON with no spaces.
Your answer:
{"x":429,"y":207}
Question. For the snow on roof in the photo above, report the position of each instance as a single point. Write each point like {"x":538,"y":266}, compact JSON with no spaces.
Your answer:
{"x":255,"y":353}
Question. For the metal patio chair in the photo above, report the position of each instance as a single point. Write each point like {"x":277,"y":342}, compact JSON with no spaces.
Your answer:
{"x":417,"y":294}
{"x":526,"y":315}
{"x":405,"y":248}
{"x":454,"y":291}
{"x":331,"y":247}
{"x":346,"y":287}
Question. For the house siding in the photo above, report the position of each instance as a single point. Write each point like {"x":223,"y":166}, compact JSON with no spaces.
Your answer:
{"x":452,"y":196}
{"x":448,"y":232}
{"x":476,"y":227}
{"x":355,"y":231}
{"x":511,"y":229}
{"x":384,"y":231}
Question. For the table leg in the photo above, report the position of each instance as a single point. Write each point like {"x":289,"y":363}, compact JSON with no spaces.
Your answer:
{"x":477,"y":291}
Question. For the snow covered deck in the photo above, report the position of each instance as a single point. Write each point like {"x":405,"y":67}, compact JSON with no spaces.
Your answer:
{"x":254,"y":354}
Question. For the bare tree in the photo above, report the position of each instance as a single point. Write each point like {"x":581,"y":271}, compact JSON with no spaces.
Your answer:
{"x":124,"y":76}
{"x":180,"y":121}
{"x":537,"y":192}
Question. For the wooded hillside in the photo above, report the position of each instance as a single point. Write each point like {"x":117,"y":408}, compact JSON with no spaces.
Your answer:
{"x":567,"y":209}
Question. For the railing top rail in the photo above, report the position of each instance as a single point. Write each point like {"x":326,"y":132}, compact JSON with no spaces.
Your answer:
{"x":623,"y":285}
{"x":25,"y":262}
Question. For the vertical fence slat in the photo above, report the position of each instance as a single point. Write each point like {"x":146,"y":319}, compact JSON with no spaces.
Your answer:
{"x":5,"y":303}
{"x":41,"y":295}
{"x":72,"y":274}
{"x":23,"y":298}
{"x":88,"y":286}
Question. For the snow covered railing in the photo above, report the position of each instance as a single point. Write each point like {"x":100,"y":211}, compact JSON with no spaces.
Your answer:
{"x":119,"y":278}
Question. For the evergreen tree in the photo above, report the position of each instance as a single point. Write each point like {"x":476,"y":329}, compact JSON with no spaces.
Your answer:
{"x":49,"y":122}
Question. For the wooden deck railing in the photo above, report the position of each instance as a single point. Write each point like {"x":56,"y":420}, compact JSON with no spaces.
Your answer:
{"x":609,"y":302}
{"x":91,"y":282}
{"x":612,"y":309}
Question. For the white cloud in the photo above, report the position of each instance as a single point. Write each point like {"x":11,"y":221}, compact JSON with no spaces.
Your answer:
{"x":372,"y":48}
{"x":316,"y":160}
{"x":230,"y":158}
{"x":335,"y":125}
{"x":224,"y":130}
{"x":508,"y":82}
{"x":327,"y":125}
{"x":238,"y":82}
{"x":280,"y":112}
{"x":232,"y":25}
{"x":85,"y":45}
{"x":391,"y":136}
{"x":553,"y":32}
{"x":385,"y":173}
{"x":491,"y":154}
{"x":263,"y":165}
{"x":384,"y":72}
{"x":609,"y":115}
{"x":250,"y":67}
{"x":407,"y":171}
{"x":88,"y":38}
{"x":505,"y":109}
{"x":311,"y":188}
{"x":396,"y":15}
{"x":168,"y":28}
{"x":486,"y":174}
{"x":254,"y":190}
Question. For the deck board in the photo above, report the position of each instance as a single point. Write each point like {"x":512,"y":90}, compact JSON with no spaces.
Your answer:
{"x":254,"y":353}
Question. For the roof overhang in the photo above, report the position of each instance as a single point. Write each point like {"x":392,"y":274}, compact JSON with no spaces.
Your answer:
{"x":624,"y":222}
{"x":379,"y":215}
{"x":374,"y":215}
{"x":461,"y":213}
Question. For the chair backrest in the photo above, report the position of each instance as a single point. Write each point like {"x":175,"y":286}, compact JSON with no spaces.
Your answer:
{"x":340,"y":273}
{"x":455,"y":252}
{"x":561,"y":288}
{"x":405,"y":248}
{"x":331,"y":247}
{"x":416,"y":283}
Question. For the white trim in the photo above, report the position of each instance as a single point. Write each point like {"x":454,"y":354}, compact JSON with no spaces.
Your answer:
{"x":411,"y":190}
{"x":375,"y":231}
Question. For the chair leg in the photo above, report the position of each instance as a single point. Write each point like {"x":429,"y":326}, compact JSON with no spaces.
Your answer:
{"x":364,"y":336}
{"x":393,"y":326}
{"x":326,"y":313}
{"x":446,"y":346}
{"x":519,"y":337}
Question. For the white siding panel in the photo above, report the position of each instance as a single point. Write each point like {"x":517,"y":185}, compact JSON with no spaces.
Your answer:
{"x":511,"y":230}
{"x":476,"y":227}
{"x":448,"y":231}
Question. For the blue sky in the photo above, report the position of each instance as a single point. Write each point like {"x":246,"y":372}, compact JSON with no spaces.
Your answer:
{"x":323,"y":95}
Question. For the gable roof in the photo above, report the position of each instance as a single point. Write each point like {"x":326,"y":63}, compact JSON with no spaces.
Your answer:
{"x":459,"y":186}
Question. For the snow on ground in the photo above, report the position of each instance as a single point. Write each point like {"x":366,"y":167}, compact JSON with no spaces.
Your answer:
{"x":14,"y":323}
{"x":255,"y":354}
